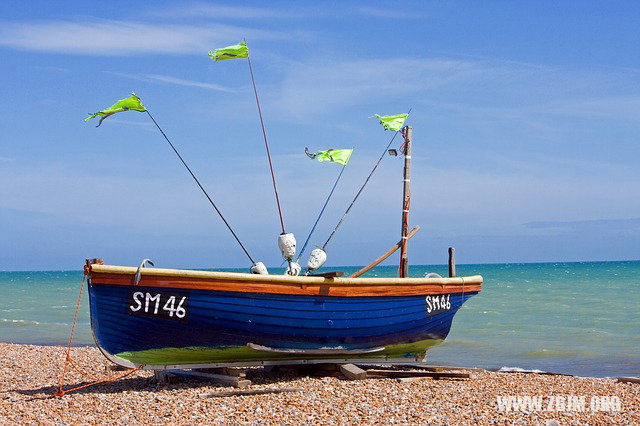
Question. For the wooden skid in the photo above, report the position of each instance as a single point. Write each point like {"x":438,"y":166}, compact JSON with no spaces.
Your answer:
{"x":223,"y":379}
{"x":628,"y":379}
{"x":353,"y":372}
{"x":376,"y":361}
{"x":251,"y":392}
{"x":405,"y":374}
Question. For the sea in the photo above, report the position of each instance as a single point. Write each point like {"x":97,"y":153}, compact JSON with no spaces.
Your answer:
{"x":573,"y":318}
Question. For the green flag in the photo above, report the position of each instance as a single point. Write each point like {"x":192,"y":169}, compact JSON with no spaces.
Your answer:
{"x":392,"y":122}
{"x":239,"y":50}
{"x":130,"y":103}
{"x":340,"y":156}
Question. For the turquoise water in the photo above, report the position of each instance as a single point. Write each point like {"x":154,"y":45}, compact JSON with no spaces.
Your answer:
{"x":575,"y":318}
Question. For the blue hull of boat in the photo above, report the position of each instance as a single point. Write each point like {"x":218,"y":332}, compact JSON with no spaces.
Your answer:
{"x":218,"y":325}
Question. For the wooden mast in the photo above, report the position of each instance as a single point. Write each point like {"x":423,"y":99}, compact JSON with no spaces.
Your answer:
{"x":406,"y":199}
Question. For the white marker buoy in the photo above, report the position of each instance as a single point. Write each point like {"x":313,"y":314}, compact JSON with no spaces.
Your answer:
{"x":259,"y":268}
{"x":287,"y":245}
{"x":316,"y":259}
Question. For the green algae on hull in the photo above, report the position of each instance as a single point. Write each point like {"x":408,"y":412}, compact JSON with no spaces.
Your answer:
{"x":204,"y":355}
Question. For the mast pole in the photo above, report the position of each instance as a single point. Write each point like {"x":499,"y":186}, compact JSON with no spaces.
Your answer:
{"x":406,"y":200}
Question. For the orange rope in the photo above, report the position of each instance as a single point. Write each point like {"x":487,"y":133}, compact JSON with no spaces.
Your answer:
{"x":82,"y":373}
{"x":60,"y":392}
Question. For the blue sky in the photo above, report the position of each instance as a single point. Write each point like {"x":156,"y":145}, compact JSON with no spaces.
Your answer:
{"x":525,"y":116}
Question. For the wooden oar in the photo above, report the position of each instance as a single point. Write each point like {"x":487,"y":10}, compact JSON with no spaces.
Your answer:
{"x":389,"y":252}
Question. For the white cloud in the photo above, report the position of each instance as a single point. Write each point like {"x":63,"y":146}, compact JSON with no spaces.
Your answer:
{"x":317,"y":87}
{"x":204,"y":10}
{"x":390,"y":13}
{"x":625,"y":107}
{"x":116,"y":119}
{"x":174,"y":80}
{"x":483,"y":90}
{"x":189,"y":83}
{"x":109,"y":38}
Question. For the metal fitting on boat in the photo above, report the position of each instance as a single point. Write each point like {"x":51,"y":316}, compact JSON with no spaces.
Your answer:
{"x":293,"y":269}
{"x":259,"y":268}
{"x":287,"y":244}
{"x":139,"y":270}
{"x":316,"y":259}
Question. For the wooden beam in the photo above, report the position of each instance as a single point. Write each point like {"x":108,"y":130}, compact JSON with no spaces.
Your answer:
{"x":432,"y":374}
{"x":452,"y":263}
{"x":223,"y":379}
{"x":335,"y":274}
{"x":250,"y":392}
{"x":388,"y":253}
{"x":628,"y":379}
{"x":437,"y":367}
{"x":353,"y":372}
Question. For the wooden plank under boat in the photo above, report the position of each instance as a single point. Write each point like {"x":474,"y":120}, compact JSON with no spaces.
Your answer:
{"x":184,"y":318}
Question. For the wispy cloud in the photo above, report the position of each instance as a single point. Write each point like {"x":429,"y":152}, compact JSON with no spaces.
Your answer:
{"x":483,"y":90}
{"x":174,"y":80}
{"x":60,"y":70}
{"x":109,"y":38}
{"x":390,"y":13}
{"x":188,"y":83}
{"x":586,"y":225}
{"x":205,"y":10}
{"x":5,"y":159}
{"x":118,"y":120}
{"x":322,"y":86}
{"x":626,"y":107}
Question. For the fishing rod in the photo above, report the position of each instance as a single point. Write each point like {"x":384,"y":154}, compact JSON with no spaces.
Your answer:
{"x":304,"y":246}
{"x":286,"y":242}
{"x":266,"y":143}
{"x":361,"y":188}
{"x":202,"y":188}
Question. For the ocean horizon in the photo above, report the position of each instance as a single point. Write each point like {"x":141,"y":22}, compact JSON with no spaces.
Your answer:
{"x":577,"y":318}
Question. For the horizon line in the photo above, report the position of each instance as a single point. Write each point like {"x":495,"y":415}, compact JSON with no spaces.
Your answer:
{"x":360,"y":266}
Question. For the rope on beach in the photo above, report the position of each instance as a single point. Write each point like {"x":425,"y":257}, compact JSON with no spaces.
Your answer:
{"x":92,"y":380}
{"x":60,"y":392}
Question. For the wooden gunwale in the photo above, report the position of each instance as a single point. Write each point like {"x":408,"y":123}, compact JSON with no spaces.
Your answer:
{"x":280,"y":284}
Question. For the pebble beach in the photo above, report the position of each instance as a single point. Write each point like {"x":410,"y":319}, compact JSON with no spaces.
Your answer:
{"x":29,"y":375}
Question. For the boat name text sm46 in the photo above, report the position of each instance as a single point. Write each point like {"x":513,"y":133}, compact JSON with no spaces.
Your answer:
{"x":438,"y":304}
{"x":164,"y":305}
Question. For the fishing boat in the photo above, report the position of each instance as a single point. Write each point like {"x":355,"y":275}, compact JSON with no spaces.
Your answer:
{"x":170,"y":318}
{"x":167,"y":318}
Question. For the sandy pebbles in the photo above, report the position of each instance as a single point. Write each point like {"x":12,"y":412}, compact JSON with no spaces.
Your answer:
{"x":28,"y":375}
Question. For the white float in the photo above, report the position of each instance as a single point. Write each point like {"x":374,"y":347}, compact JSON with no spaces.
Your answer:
{"x":259,"y":268}
{"x":287,"y":244}
{"x":316,"y":259}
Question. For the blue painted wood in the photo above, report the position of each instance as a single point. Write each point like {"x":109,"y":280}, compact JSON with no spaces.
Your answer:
{"x":218,"y":319}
